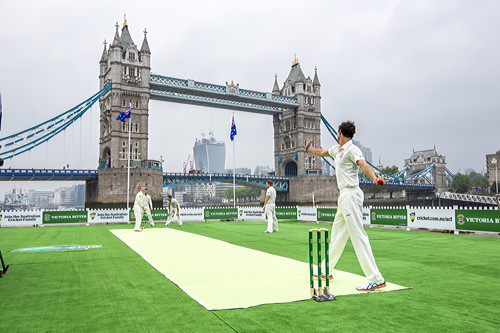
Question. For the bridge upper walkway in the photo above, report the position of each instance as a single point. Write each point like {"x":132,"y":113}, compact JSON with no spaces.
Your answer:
{"x":231,"y":97}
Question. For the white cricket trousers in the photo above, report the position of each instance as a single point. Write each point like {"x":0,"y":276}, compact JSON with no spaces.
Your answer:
{"x":138,"y":217}
{"x":173,"y":213}
{"x":272,"y":221}
{"x":349,"y":223}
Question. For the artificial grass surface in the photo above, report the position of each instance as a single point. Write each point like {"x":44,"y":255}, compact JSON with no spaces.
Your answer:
{"x":111,"y":289}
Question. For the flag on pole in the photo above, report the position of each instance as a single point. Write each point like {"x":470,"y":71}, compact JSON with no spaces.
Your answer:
{"x":125,"y":114}
{"x":233,"y":130}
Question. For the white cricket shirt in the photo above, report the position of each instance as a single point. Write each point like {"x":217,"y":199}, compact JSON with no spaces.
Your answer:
{"x":172,"y":204}
{"x":271,"y":192}
{"x":346,"y":168}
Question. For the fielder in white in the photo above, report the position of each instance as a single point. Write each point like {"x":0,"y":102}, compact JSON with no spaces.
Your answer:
{"x":173,"y":210}
{"x":348,"y":221}
{"x":148,"y":208}
{"x":139,"y":207}
{"x":270,"y":208}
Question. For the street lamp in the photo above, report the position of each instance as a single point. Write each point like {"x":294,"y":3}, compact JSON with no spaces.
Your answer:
{"x":495,"y":161}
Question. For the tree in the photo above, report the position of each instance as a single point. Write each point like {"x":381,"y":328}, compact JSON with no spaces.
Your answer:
{"x":461,"y":183}
{"x":390,"y":170}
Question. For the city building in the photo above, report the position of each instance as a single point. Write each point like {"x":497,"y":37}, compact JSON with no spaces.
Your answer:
{"x":209,"y":154}
{"x":239,"y":171}
{"x":261,"y":170}
{"x":493,"y":169}
{"x":367,"y":152}
{"x":421,"y":160}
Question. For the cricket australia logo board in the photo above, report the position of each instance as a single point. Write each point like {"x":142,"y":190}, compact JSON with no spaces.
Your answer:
{"x":92,"y":216}
{"x":412,"y":217}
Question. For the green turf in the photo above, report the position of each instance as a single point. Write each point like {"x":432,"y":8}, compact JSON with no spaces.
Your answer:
{"x":454,"y":278}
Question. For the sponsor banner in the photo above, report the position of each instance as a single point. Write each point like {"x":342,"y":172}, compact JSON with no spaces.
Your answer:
{"x":158,"y":215}
{"x":20,"y":218}
{"x":286,"y":213}
{"x":478,"y":220}
{"x":388,"y":216}
{"x":306,"y":214}
{"x":61,"y":216}
{"x":366,"y":215}
{"x":431,"y":218}
{"x":192,"y":215}
{"x":108,"y":216}
{"x":221,"y":213}
{"x":251,"y":214}
{"x":326,"y":214}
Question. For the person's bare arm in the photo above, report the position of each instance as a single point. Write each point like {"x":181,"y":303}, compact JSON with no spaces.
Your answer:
{"x":316,"y":151}
{"x":368,"y":171}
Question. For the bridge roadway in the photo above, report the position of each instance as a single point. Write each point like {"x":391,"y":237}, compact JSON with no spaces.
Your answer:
{"x":174,"y":179}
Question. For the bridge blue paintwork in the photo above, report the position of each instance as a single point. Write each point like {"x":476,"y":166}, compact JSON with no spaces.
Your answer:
{"x":47,"y":174}
{"x":174,"y":179}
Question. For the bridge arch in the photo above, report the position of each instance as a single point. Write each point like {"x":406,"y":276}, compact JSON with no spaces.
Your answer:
{"x":290,"y":169}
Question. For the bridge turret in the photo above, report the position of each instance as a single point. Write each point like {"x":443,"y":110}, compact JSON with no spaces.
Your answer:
{"x":128,"y":69}
{"x":293,"y":127}
{"x":103,"y":65}
{"x":276,"y":87}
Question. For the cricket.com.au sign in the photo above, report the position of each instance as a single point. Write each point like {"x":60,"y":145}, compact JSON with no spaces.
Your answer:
{"x":306,"y":214}
{"x":431,"y":218}
{"x":478,"y":220}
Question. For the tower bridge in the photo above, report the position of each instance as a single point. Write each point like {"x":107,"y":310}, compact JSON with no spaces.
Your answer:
{"x":125,"y":79}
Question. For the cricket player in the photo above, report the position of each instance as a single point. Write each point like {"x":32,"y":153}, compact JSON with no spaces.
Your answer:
{"x":148,"y":208}
{"x":348,"y":221}
{"x":173,"y":210}
{"x":139,"y":207}
{"x":270,"y":208}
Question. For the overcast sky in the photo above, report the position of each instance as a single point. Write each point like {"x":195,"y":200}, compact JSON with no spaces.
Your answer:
{"x":412,"y":74}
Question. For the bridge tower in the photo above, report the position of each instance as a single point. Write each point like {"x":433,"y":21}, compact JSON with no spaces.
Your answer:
{"x":128,"y":69}
{"x":421,"y":160}
{"x":293,"y":127}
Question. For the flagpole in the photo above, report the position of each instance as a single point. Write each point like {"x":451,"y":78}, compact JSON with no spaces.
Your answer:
{"x":128,"y":159}
{"x":234,"y":175}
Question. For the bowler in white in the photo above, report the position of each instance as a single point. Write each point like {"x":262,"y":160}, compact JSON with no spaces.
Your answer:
{"x":348,"y":220}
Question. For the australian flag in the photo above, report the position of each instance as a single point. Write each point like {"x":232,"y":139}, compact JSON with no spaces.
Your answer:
{"x":233,"y":130}
{"x":125,"y":114}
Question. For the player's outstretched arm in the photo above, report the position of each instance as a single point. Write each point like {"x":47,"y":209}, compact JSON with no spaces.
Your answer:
{"x":368,"y":171}
{"x":316,"y":151}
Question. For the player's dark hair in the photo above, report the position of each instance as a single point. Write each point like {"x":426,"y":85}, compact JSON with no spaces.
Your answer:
{"x":348,"y":129}
{"x":169,"y":196}
{"x":270,"y":182}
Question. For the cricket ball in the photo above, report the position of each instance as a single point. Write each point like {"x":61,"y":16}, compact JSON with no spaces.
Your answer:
{"x":380,"y":181}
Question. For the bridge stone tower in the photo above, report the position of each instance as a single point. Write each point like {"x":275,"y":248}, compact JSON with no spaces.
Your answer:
{"x":293,"y":127}
{"x":421,"y":160}
{"x":128,"y":69}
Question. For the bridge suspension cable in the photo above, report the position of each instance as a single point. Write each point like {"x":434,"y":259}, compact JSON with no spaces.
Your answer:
{"x":26,"y":140}
{"x":395,"y":177}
